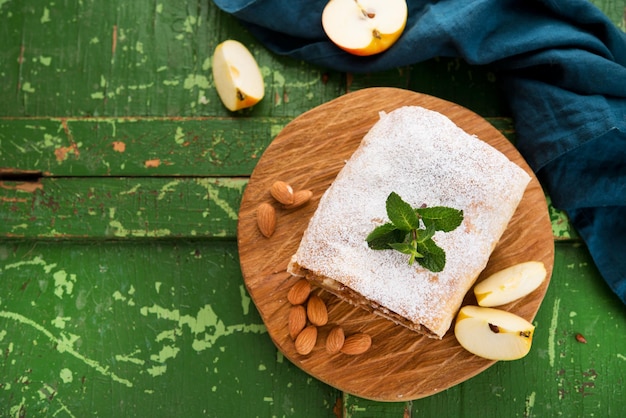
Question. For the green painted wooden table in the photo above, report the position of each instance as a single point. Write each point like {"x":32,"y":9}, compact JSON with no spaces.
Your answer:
{"x":120,"y":180}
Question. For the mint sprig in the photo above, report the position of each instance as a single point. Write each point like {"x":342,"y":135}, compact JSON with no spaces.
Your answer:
{"x":411,"y":230}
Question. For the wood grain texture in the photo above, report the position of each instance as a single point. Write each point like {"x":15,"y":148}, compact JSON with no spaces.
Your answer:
{"x":197,"y":146}
{"x":308,"y":153}
{"x":120,"y":208}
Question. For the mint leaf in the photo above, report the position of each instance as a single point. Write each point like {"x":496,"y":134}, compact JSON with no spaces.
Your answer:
{"x":406,"y":235}
{"x":401,"y":214}
{"x":409,"y":249}
{"x":403,"y":247}
{"x":443,"y":218}
{"x":434,"y":258}
{"x":384,"y":235}
{"x":422,"y":235}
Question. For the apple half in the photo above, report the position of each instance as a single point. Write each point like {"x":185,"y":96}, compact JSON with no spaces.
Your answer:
{"x":364,"y":27}
{"x":510,"y":284}
{"x":237,"y":76}
{"x":493,"y":334}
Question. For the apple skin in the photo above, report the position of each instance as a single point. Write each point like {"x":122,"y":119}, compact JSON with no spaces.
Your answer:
{"x":510,"y":284}
{"x":344,"y":20}
{"x":237,"y":76}
{"x":493,"y":334}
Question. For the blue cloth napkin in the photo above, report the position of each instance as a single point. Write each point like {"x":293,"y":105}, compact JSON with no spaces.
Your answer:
{"x":563,"y":65}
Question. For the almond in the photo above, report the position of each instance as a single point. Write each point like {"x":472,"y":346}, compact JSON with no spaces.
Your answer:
{"x":335,"y":340}
{"x":300,"y":198}
{"x":305,"y":341}
{"x":299,"y":292}
{"x":282,"y":192}
{"x":356,"y":344}
{"x":266,"y":219}
{"x":297,"y":320}
{"x":316,"y":311}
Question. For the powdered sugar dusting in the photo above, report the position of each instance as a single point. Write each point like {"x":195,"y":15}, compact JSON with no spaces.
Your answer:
{"x":426,"y":159}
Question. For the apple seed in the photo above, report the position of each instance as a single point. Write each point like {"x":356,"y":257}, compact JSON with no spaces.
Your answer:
{"x":494,"y":328}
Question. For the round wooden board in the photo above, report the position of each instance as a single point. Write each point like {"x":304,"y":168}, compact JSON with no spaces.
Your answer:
{"x":308,"y":153}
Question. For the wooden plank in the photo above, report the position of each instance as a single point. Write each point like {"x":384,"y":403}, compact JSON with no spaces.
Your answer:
{"x":228,"y":146}
{"x":142,"y":146}
{"x":120,"y":208}
{"x":158,"y":329}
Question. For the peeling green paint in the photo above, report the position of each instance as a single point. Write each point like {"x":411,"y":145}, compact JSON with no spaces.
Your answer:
{"x":45,"y":60}
{"x":167,"y":188}
{"x":190,"y":21}
{"x":51,"y":140}
{"x":245,"y":300}
{"x":18,"y":227}
{"x":166,"y":353}
{"x":529,"y":404}
{"x":155,"y":371}
{"x":169,"y":334}
{"x":36,"y":261}
{"x":276,"y":129}
{"x":204,"y":320}
{"x":132,"y":190}
{"x":207,"y":63}
{"x":213,"y":195}
{"x":16,"y":409}
{"x":117,"y":295}
{"x":28,"y":88}
{"x":196,"y":80}
{"x":65,"y":344}
{"x":45,"y":17}
{"x":118,"y":230}
{"x":59,"y":321}
{"x":66,"y":375}
{"x":130,"y":359}
{"x":278,"y":79}
{"x":63,"y":283}
{"x":179,"y":136}
{"x":552,"y":331}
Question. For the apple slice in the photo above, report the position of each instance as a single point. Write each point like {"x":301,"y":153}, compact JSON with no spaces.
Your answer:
{"x":237,"y":77}
{"x":510,"y":284}
{"x":364,"y":27}
{"x":493,"y":333}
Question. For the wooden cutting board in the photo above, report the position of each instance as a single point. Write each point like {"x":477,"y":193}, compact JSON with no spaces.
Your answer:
{"x":309,"y":152}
